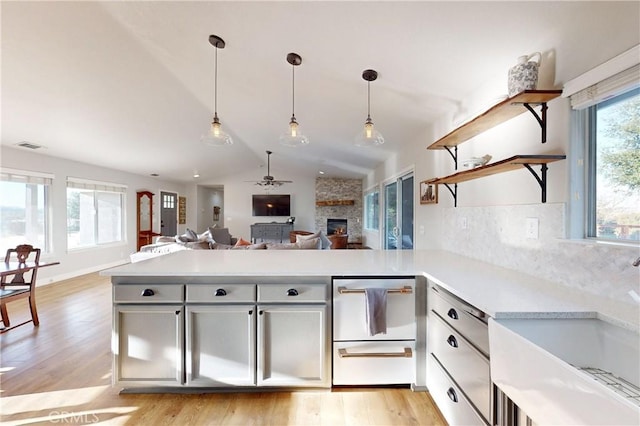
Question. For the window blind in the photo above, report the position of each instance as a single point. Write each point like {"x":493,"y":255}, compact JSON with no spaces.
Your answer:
{"x":615,"y":85}
{"x":95,"y":185}
{"x":24,"y":176}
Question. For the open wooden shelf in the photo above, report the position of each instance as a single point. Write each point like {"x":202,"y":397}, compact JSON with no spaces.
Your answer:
{"x":512,"y":163}
{"x":499,"y":113}
{"x":335,"y":203}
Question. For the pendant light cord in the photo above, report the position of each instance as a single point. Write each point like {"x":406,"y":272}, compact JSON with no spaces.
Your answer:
{"x":369,"y":100}
{"x":215,"y":84}
{"x":293,"y":90}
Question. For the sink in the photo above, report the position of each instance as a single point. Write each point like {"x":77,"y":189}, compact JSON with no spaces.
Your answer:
{"x":568,"y":371}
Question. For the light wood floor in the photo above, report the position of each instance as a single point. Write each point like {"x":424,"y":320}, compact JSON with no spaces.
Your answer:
{"x":60,"y":372}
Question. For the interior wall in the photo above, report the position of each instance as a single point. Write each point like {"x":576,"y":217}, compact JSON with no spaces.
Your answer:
{"x":83,"y":261}
{"x":238,"y":189}
{"x":207,"y":198}
{"x":490,"y":220}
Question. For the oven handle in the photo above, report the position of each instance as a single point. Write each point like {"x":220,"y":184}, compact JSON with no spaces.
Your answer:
{"x":407,"y":289}
{"x":405,"y":354}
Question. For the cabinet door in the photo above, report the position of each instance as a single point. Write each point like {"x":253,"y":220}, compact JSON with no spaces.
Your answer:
{"x":147,"y":345}
{"x":221,"y":345}
{"x":292,"y":346}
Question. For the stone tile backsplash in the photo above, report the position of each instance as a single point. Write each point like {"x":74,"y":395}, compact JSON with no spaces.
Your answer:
{"x":496,"y":234}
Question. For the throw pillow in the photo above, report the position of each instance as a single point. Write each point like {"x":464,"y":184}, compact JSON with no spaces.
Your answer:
{"x":205,"y":236}
{"x":325,"y":242}
{"x":309,"y":244}
{"x":220,"y":235}
{"x":188,"y":237}
{"x":242,"y":242}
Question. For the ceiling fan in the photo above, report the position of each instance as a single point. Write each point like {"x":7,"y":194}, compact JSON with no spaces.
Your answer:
{"x":269,"y":180}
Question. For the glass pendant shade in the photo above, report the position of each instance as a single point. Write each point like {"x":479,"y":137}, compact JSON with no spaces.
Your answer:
{"x":216,"y":136}
{"x":293,"y":137}
{"x":369,"y":136}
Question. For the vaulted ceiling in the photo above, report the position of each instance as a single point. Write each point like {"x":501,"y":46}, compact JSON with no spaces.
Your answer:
{"x":130,"y":85}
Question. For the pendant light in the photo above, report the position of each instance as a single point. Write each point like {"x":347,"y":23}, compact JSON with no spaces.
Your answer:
{"x":369,"y":136}
{"x":293,"y":137}
{"x":216,"y":136}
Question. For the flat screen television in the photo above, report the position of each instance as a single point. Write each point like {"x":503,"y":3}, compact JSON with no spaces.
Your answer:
{"x":271,"y":205}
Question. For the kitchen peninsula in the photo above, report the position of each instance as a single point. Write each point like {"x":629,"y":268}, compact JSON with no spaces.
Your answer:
{"x":278,"y":306}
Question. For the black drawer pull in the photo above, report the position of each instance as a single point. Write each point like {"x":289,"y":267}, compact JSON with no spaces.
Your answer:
{"x":251,"y":312}
{"x":292,"y":292}
{"x":147,"y":292}
{"x":451,"y":393}
{"x":451,"y":340}
{"x":221,"y":292}
{"x":452,"y":314}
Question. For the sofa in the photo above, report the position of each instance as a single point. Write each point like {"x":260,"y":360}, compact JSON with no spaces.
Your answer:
{"x":220,"y":239}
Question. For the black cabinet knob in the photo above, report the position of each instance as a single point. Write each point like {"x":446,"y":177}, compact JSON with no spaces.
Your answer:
{"x":451,"y":393}
{"x":292,"y":292}
{"x":221,"y":292}
{"x":251,"y":312}
{"x":452,"y":314}
{"x":451,"y":340}
{"x":147,"y":292}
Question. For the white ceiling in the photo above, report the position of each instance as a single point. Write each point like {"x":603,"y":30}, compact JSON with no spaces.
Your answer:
{"x":129,"y":85}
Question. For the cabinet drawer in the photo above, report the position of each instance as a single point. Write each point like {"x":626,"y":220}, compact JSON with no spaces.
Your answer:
{"x":468,"y":367}
{"x":457,"y":314}
{"x":374,"y":363}
{"x":221,"y":293}
{"x":292,"y":293}
{"x":452,"y":403}
{"x":148,"y":293}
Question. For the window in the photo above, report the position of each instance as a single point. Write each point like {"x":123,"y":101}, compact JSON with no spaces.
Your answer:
{"x":605,"y":151}
{"x":372,"y":210}
{"x":24,"y":209}
{"x":614,"y":159}
{"x":95,"y":213}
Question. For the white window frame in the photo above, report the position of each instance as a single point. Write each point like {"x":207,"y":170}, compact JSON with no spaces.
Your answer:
{"x":615,"y":77}
{"x":367,"y":225}
{"x":34,"y":178}
{"x":98,"y":187}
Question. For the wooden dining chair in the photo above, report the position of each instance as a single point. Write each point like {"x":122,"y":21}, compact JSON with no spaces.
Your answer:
{"x":22,"y":284}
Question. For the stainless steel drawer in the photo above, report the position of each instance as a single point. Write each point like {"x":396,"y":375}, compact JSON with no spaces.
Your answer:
{"x":292,"y":293}
{"x":453,"y":404}
{"x":148,"y":293}
{"x":221,"y":293}
{"x":374,"y":363}
{"x":468,"y":367}
{"x":461,"y":316}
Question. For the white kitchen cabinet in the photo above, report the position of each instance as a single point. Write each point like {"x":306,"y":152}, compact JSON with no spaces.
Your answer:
{"x":221,"y":345}
{"x":458,"y":370}
{"x":292,"y":345}
{"x":147,"y":345}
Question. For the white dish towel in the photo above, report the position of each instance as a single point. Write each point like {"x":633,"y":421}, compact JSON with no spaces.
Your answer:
{"x":376,"y":310}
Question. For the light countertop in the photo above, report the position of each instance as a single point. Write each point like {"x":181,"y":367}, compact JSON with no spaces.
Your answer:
{"x":498,"y":291}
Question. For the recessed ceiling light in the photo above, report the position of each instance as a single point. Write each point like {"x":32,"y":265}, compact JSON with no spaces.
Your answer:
{"x":196,"y":175}
{"x":321,"y":172}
